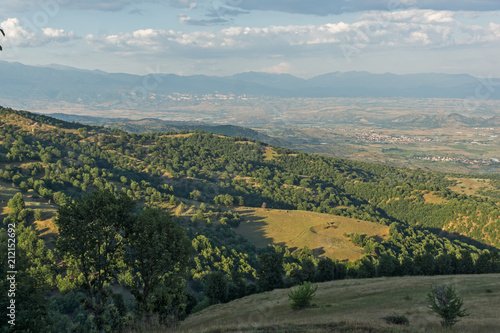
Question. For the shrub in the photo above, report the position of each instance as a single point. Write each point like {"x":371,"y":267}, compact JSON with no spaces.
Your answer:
{"x":303,"y":295}
{"x":445,"y":303}
{"x":397,"y":319}
{"x":38,"y":215}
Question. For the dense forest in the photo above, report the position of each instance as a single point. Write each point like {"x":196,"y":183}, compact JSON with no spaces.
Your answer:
{"x":150,"y":179}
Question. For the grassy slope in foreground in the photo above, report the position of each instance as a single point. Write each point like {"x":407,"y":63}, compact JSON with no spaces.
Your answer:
{"x":322,"y":233}
{"x":357,"y":306}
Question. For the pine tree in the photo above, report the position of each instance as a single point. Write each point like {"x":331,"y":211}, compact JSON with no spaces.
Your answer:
{"x":445,"y":303}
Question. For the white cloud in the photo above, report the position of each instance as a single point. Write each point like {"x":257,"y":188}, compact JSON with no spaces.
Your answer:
{"x":281,"y":68}
{"x":418,"y":37}
{"x":409,"y":28}
{"x":330,"y":7}
{"x":17,"y":35}
{"x":495,"y":29}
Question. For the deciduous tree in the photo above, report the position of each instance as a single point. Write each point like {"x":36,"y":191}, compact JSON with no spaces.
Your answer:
{"x":157,"y":252}
{"x":91,"y":238}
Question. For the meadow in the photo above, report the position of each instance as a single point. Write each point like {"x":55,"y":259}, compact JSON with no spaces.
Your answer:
{"x":322,"y":233}
{"x":356,"y":306}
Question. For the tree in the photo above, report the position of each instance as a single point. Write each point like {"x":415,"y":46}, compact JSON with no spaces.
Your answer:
{"x":387,"y":265}
{"x":306,"y":273}
{"x":195,"y":195}
{"x":3,"y":33}
{"x":445,"y":303}
{"x":465,"y":264}
{"x":483,"y":263}
{"x":270,"y":272}
{"x":16,"y":203}
{"x":37,"y":215}
{"x":303,"y":295}
{"x":216,"y":288}
{"x":91,"y":240}
{"x":444,"y":264}
{"x":326,"y":270}
{"x":157,"y":251}
{"x":34,"y":265}
{"x":423,"y":264}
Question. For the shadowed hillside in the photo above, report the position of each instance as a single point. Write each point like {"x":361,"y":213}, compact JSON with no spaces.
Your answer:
{"x":356,"y":306}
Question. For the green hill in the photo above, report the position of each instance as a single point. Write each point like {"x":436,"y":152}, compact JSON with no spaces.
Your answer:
{"x":356,"y":306}
{"x":242,"y":202}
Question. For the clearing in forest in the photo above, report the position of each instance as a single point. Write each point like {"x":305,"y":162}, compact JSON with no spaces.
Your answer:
{"x":322,"y":233}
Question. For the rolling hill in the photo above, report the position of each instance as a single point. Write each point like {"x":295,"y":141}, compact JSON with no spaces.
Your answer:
{"x":242,"y":202}
{"x":355,"y":306}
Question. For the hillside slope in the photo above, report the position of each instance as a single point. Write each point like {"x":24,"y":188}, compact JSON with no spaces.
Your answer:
{"x":356,"y":306}
{"x":324,"y":234}
{"x":48,"y":155}
{"x":218,"y":185}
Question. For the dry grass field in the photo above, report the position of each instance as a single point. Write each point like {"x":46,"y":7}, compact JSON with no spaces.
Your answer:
{"x":433,"y":199}
{"x":470,"y":186}
{"x":44,"y":227}
{"x":323,"y":233}
{"x":356,"y":306}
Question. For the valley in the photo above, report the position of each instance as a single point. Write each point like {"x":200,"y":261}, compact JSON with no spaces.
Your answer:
{"x":436,"y":134}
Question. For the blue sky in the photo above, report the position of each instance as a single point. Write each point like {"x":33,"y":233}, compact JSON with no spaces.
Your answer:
{"x":224,"y":37}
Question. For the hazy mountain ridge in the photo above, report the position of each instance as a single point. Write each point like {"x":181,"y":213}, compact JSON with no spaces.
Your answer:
{"x":59,"y":83}
{"x":436,"y":121}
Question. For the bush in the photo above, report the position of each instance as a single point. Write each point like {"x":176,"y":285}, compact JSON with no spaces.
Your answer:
{"x":38,"y":215}
{"x":397,"y":319}
{"x":445,"y":303}
{"x":302,"y":296}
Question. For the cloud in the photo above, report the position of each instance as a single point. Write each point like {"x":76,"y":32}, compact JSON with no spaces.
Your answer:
{"x":418,"y":37}
{"x":224,"y":8}
{"x":332,"y":7}
{"x":187,"y":20}
{"x":208,"y":13}
{"x":408,"y":29}
{"x":135,"y":11}
{"x":19,"y":6}
{"x":328,"y":7}
{"x":17,"y":35}
{"x":281,"y":68}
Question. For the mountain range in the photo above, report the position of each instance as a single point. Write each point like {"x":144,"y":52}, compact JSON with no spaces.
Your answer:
{"x":29,"y":84}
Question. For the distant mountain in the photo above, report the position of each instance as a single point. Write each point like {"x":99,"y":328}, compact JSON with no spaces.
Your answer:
{"x":436,"y":121}
{"x":29,"y":84}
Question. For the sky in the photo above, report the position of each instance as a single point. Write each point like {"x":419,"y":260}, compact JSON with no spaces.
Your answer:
{"x":225,"y":37}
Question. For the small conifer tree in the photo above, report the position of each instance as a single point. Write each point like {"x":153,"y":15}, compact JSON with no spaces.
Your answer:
{"x":445,"y":303}
{"x":303,"y":295}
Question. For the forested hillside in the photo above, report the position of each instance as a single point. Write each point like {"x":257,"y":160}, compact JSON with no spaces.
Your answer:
{"x":200,"y":178}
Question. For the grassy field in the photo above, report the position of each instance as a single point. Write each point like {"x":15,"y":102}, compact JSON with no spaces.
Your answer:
{"x":356,"y":306}
{"x":470,"y":186}
{"x":44,"y":227}
{"x":322,"y":233}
